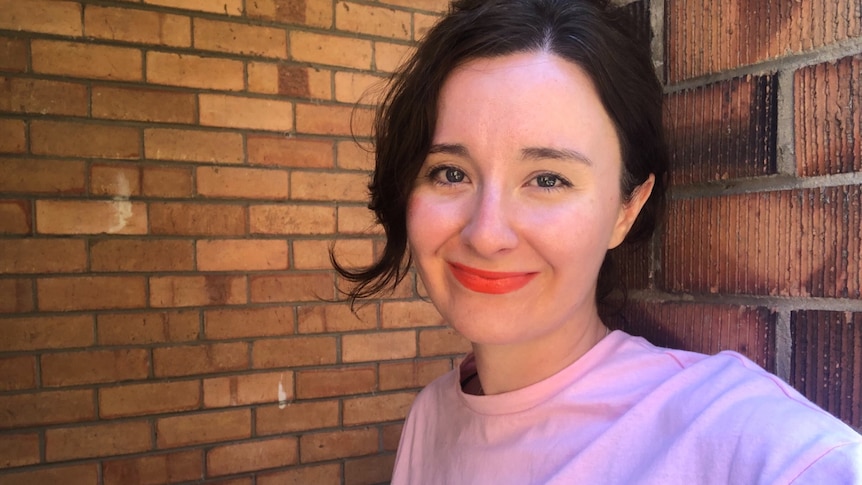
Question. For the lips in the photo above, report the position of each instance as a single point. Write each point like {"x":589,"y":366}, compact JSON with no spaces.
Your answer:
{"x":491,"y":282}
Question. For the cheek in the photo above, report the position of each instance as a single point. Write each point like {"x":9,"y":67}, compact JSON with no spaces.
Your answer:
{"x":427,"y":222}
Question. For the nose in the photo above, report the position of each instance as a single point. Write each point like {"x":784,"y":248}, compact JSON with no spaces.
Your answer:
{"x":489,"y":229}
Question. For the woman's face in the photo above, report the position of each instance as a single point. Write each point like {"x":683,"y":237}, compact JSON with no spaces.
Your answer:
{"x":518,"y":200}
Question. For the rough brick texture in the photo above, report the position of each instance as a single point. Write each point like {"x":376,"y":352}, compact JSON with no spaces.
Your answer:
{"x":174,"y":172}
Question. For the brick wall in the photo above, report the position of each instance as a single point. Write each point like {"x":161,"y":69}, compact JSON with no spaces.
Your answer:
{"x":762,"y":248}
{"x":172,"y":174}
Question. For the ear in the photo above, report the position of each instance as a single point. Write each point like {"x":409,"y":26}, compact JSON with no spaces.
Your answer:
{"x":629,"y":211}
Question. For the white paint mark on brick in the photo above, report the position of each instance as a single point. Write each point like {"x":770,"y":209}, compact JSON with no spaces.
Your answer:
{"x":122,"y":205}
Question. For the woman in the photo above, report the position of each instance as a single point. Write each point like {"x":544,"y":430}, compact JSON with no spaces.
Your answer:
{"x":519,"y":145}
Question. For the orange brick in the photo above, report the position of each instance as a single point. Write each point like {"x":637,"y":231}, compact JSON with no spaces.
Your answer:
{"x":336,"y":318}
{"x":195,"y":71}
{"x":47,"y":407}
{"x":211,"y":427}
{"x":143,"y":105}
{"x":139,"y":26}
{"x":354,"y":87}
{"x":296,"y":416}
{"x":333,"y":120}
{"x":413,"y":374}
{"x":296,"y":351}
{"x":444,"y":341}
{"x":352,"y":253}
{"x":90,"y":217}
{"x":86,"y":60}
{"x":197,"y":219}
{"x":314,"y":13}
{"x":302,"y":475}
{"x":422,"y":24}
{"x":91,"y":293}
{"x":97,"y":440}
{"x":234,"y":323}
{"x":147,"y":328}
{"x":121,"y":180}
{"x":376,"y":21}
{"x":337,"y":444}
{"x":248,"y":389}
{"x":180,"y":291}
{"x":36,"y":333}
{"x":242,"y":255}
{"x":103,"y":141}
{"x":18,"y":373}
{"x":19,"y":450}
{"x":42,"y":255}
{"x":409,"y":314}
{"x":242,"y":183}
{"x":193,"y":145}
{"x":22,"y":95}
{"x":18,"y":296}
{"x":322,"y":186}
{"x":353,"y":155}
{"x":236,"y":38}
{"x":15,"y":216}
{"x":312,"y":384}
{"x":245,"y":112}
{"x":46,"y":17}
{"x":289,"y":152}
{"x":330,"y":50}
{"x":71,"y":368}
{"x":388,"y":57}
{"x":289,"y":80}
{"x":378,"y":346}
{"x":12,"y":136}
{"x":439,"y":6}
{"x":292,"y":219}
{"x":13,"y":54}
{"x":41,"y":176}
{"x":252,"y":456}
{"x":166,"y":181}
{"x":200,"y":359}
{"x":143,"y":255}
{"x":377,"y":409}
{"x":155,"y":469}
{"x":224,"y":7}
{"x":391,"y":436}
{"x":67,"y":475}
{"x":357,"y":220}
{"x":151,"y":398}
{"x":369,"y":470}
{"x":291,"y":287}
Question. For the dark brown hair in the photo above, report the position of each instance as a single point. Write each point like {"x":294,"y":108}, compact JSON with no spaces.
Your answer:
{"x":589,"y":33}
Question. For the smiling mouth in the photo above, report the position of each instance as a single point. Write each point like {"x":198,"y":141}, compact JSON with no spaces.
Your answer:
{"x":491,"y":282}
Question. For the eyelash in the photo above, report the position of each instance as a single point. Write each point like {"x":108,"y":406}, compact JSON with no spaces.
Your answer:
{"x":434,"y":174}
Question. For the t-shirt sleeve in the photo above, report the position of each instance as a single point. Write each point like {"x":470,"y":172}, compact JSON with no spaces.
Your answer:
{"x":840,"y":465}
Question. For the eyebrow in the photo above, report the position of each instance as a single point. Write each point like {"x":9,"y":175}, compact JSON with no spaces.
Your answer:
{"x":544,"y":153}
{"x":529,"y":153}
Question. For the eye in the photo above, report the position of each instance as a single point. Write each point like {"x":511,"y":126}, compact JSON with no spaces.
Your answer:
{"x":446,"y":175}
{"x":550,"y":181}
{"x":547,"y":181}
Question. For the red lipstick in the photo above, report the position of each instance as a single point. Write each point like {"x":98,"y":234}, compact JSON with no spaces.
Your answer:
{"x":491,"y":282}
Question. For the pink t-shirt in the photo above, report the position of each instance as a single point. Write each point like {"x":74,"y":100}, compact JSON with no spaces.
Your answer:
{"x":628,"y":412}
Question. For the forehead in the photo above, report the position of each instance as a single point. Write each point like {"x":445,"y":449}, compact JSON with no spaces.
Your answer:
{"x":523,"y":99}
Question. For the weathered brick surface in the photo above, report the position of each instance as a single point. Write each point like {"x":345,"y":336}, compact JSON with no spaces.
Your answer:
{"x":723,"y":131}
{"x":97,"y":440}
{"x":337,"y":444}
{"x":251,"y":456}
{"x":176,"y":467}
{"x":827,"y":361}
{"x":712,"y":35}
{"x":296,"y":416}
{"x":802,"y":242}
{"x":828,"y":134}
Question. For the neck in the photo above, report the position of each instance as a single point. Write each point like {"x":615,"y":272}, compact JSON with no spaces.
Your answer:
{"x":504,"y":368}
